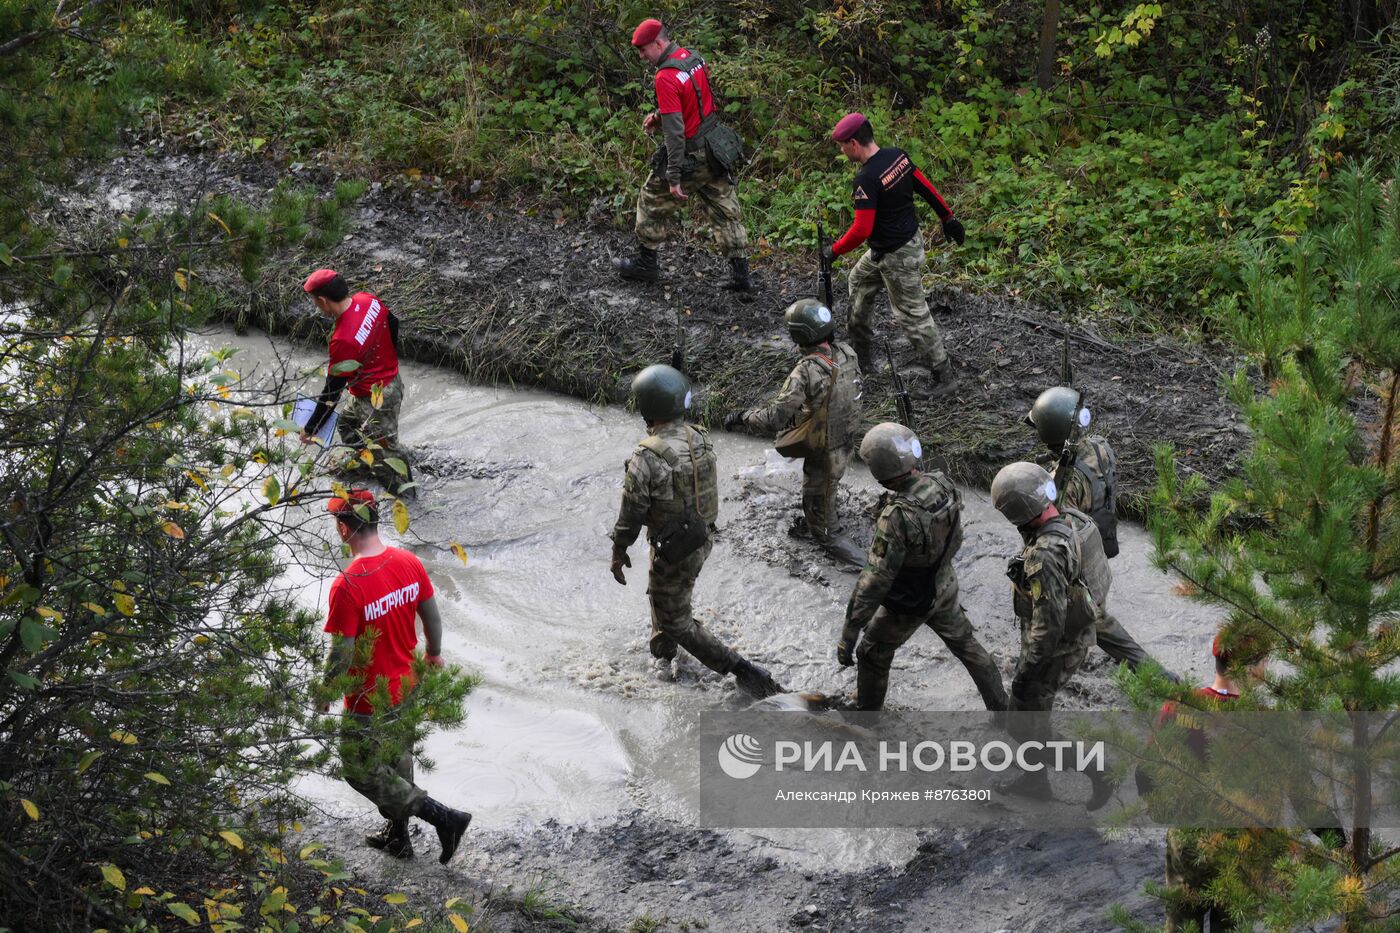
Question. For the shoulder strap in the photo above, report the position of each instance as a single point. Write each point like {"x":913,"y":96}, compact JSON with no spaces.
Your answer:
{"x":689,"y":66}
{"x":663,"y":450}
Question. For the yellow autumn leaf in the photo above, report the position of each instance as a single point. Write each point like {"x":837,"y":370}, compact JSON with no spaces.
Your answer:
{"x":309,"y":850}
{"x":48,"y":613}
{"x":396,"y":898}
{"x":30,"y":809}
{"x":400,"y":516}
{"x":213,"y":216}
{"x":458,"y":923}
{"x":125,"y":603}
{"x":157,"y":778}
{"x":124,"y":737}
{"x":174,"y":530}
{"x":460,"y":552}
{"x":367,"y":457}
{"x":144,"y":891}
{"x":197,"y":480}
{"x":113,"y":876}
{"x":95,"y":609}
{"x":376,"y":396}
{"x":181,"y":280}
{"x":415,"y":922}
{"x":231,"y":837}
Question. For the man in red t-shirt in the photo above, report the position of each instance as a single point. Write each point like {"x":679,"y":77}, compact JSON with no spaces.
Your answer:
{"x":373,"y":606}
{"x":364,"y":357}
{"x":698,"y":157}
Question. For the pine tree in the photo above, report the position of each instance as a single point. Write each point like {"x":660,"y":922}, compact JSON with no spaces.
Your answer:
{"x":1302,"y":549}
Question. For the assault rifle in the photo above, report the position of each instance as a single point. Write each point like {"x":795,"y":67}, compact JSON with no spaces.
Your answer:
{"x":825,"y":268}
{"x":678,"y":349}
{"x":1076,"y":429}
{"x":901,"y":397}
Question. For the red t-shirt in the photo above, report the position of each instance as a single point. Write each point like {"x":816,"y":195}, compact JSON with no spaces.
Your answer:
{"x":1196,"y":739}
{"x":380,"y":595}
{"x":362,"y":334}
{"x":676,"y":94}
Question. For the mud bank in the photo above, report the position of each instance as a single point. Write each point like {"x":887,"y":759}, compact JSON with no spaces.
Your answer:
{"x":503,"y":297}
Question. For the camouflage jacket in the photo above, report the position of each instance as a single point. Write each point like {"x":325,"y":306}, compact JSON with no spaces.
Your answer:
{"x":805,"y":388}
{"x":649,"y":489}
{"x":918,"y":531}
{"x":1052,"y":588}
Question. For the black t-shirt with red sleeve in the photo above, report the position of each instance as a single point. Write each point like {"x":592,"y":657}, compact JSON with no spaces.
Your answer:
{"x":883,"y":192}
{"x":377,"y":598}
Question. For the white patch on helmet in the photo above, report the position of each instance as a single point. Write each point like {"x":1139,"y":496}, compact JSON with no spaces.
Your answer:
{"x":824,"y":314}
{"x":916,"y":448}
{"x":1084,"y":417}
{"x":687,"y":399}
{"x":1049,"y":489}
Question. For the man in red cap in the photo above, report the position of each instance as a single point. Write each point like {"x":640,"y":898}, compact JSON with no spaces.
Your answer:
{"x":363,"y":358}
{"x":884,"y":190}
{"x":373,"y":605}
{"x":697,"y":159}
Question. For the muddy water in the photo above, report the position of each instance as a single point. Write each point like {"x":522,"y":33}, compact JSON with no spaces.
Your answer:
{"x":572,"y":721}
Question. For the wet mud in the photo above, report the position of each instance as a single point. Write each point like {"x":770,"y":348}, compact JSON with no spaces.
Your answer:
{"x":577,"y":756}
{"x":532,"y":300}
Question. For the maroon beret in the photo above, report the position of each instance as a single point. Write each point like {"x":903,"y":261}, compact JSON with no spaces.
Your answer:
{"x":357,"y":497}
{"x":647,"y":31}
{"x":318,"y":278}
{"x":846,"y":127}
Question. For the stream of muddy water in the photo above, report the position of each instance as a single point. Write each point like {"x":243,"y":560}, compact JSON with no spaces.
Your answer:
{"x":572,"y":722}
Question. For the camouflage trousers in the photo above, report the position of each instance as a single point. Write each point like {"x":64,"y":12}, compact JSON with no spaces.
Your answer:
{"x":1036,"y":688}
{"x":1115,"y":641}
{"x":378,"y":769}
{"x":901,"y":275}
{"x":821,"y":475}
{"x":361,"y":424}
{"x":715,"y":195}
{"x":670,"y":586}
{"x":889,"y":630}
{"x":1187,"y":878}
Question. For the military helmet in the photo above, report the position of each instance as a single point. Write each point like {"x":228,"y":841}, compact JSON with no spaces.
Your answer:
{"x":890,"y":450}
{"x":662,"y":393}
{"x":809,"y":321}
{"x":1022,"y":492}
{"x":1053,"y":415}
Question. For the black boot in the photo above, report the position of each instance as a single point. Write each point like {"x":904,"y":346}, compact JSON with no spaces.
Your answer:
{"x":643,"y":267}
{"x":450,"y":824}
{"x":843,"y":549}
{"x":864,"y":356}
{"x":1102,"y":791}
{"x":754,"y":680}
{"x":393,"y":839}
{"x":739,"y":280}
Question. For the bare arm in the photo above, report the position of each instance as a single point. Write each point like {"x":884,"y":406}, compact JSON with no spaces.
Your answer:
{"x":432,"y":626}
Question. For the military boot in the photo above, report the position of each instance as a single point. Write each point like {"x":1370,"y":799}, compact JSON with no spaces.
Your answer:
{"x":1102,"y":791}
{"x":643,"y":267}
{"x":871,"y":686}
{"x":865,"y":357}
{"x":450,"y":824}
{"x":843,"y":549}
{"x":739,"y":280}
{"x":754,"y":680}
{"x":393,"y":839}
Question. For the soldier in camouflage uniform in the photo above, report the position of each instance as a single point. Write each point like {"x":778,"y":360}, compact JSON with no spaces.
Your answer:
{"x":671,"y":489}
{"x":697,"y":159}
{"x":1087,"y":480}
{"x":821,"y":400}
{"x":1060,"y":584}
{"x":908,"y":580}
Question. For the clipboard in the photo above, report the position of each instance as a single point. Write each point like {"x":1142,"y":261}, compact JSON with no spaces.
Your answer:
{"x":301,"y":414}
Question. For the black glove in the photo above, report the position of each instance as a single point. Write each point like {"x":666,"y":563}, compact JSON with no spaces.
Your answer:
{"x":677,"y":359}
{"x":735,"y":419}
{"x":845,"y":653}
{"x":827,"y":254}
{"x":954,"y":230}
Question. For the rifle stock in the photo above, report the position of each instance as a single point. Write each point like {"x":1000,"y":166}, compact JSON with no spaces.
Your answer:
{"x":901,"y":396}
{"x":825,"y":265}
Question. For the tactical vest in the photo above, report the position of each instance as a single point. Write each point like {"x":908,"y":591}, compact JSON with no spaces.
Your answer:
{"x":837,"y":416}
{"x":935,"y":505}
{"x":1095,"y":461}
{"x":1089,"y":576}
{"x":688,"y":66}
{"x":694,"y":479}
